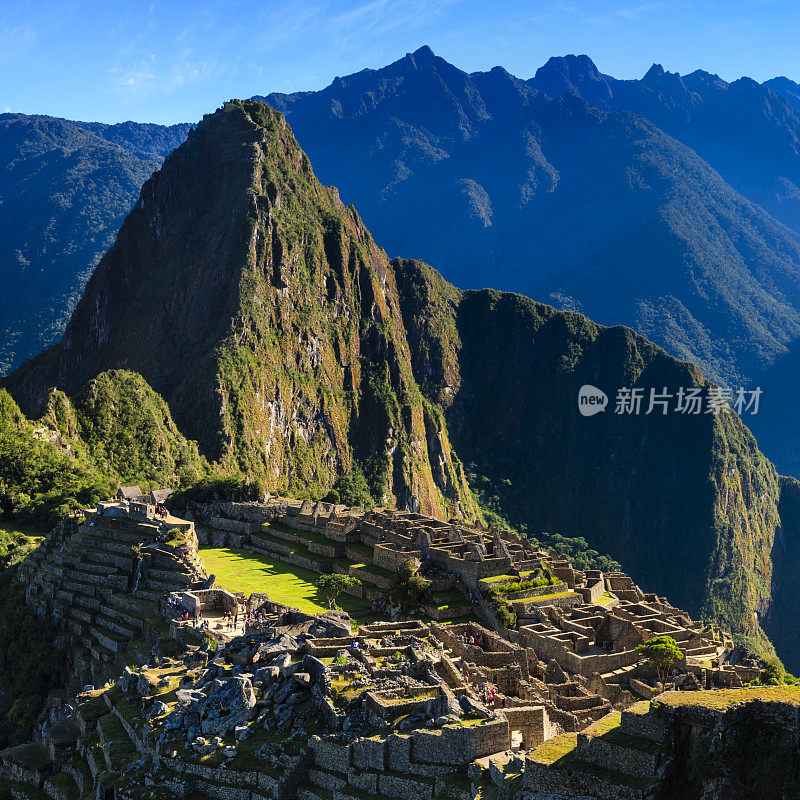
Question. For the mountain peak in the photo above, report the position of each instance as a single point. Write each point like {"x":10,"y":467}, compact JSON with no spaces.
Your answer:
{"x":663,"y":80}
{"x":424,"y":52}
{"x":422,"y":57}
{"x":572,"y":74}
{"x":656,"y":71}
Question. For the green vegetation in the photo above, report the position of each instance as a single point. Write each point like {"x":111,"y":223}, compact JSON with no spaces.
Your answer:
{"x":331,"y":586}
{"x":218,"y":487}
{"x":116,"y":431}
{"x":16,"y":542}
{"x":72,"y":184}
{"x":662,"y":652}
{"x":352,"y":489}
{"x":554,"y":749}
{"x":523,"y":585}
{"x":127,"y":431}
{"x":773,"y":673}
{"x":242,"y":571}
{"x":720,"y":699}
{"x":39,"y":481}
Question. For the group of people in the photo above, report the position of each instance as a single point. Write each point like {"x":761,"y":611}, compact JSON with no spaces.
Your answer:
{"x":231,"y":620}
{"x":491,"y":697}
{"x":471,"y":639}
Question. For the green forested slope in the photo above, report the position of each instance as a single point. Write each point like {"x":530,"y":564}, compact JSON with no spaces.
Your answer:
{"x":65,"y":187}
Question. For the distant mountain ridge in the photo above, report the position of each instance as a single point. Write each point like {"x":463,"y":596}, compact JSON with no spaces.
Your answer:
{"x":65,"y":188}
{"x":552,"y":187}
{"x":666,"y":203}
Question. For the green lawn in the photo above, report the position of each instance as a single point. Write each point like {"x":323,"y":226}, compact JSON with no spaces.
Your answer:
{"x":242,"y":571}
{"x":720,"y":699}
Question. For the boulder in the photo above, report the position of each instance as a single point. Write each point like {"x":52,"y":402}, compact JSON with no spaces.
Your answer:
{"x":284,"y":691}
{"x":190,"y":699}
{"x":228,"y":706}
{"x":145,"y":684}
{"x":468,"y":705}
{"x":281,"y":662}
{"x":127,"y":681}
{"x":302,"y":679}
{"x":444,"y":705}
{"x":266,"y":675}
{"x":314,"y":667}
{"x":156,"y":710}
{"x":241,"y":732}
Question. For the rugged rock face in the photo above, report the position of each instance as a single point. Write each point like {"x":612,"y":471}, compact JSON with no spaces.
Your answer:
{"x":263,"y":312}
{"x":288,"y":345}
{"x":687,"y":503}
{"x":553,"y":188}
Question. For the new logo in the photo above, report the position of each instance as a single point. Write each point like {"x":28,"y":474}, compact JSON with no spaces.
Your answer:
{"x":591,"y":400}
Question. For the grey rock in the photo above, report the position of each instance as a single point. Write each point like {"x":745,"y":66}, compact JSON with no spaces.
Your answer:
{"x":156,"y":710}
{"x":469,"y":705}
{"x":190,"y":699}
{"x":283,"y":693}
{"x":302,"y":679}
{"x":314,"y":667}
{"x":228,"y":706}
{"x":241,"y":732}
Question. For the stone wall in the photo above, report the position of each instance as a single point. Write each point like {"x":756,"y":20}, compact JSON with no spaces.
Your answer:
{"x":391,"y":558}
{"x":541,"y":778}
{"x":531,"y":721}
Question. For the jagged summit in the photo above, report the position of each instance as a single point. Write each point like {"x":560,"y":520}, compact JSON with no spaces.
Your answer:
{"x":572,"y":74}
{"x":261,"y":309}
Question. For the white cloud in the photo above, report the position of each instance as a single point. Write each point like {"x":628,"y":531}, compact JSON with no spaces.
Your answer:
{"x":15,"y":40}
{"x":147,"y":76}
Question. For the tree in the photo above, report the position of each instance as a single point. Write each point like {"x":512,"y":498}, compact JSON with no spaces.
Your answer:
{"x":772,"y":671}
{"x":662,"y":652}
{"x":409,"y":568}
{"x":332,"y":497}
{"x":418,"y":587}
{"x":333,"y":585}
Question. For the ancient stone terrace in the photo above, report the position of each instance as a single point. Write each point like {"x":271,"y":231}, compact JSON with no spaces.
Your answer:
{"x":103,"y":575}
{"x":587,"y":623}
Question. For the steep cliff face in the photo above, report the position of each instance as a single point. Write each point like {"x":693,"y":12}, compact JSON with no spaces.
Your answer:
{"x":686,"y":502}
{"x":291,"y":349}
{"x":260,"y":308}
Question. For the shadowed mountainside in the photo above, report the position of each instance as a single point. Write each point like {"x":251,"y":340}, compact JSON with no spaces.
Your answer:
{"x":65,"y":188}
{"x":292,"y":349}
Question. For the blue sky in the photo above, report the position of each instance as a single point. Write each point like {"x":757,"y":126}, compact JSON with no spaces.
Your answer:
{"x":174,"y":61}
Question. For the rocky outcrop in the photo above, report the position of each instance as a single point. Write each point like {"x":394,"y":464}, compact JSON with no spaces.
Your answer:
{"x":260,"y":308}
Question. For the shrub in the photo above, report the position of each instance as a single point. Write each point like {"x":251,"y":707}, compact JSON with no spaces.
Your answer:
{"x":409,"y":568}
{"x":505,"y":616}
{"x":772,"y":673}
{"x":354,"y":490}
{"x":418,"y":587}
{"x":332,"y":497}
{"x":523,"y":586}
